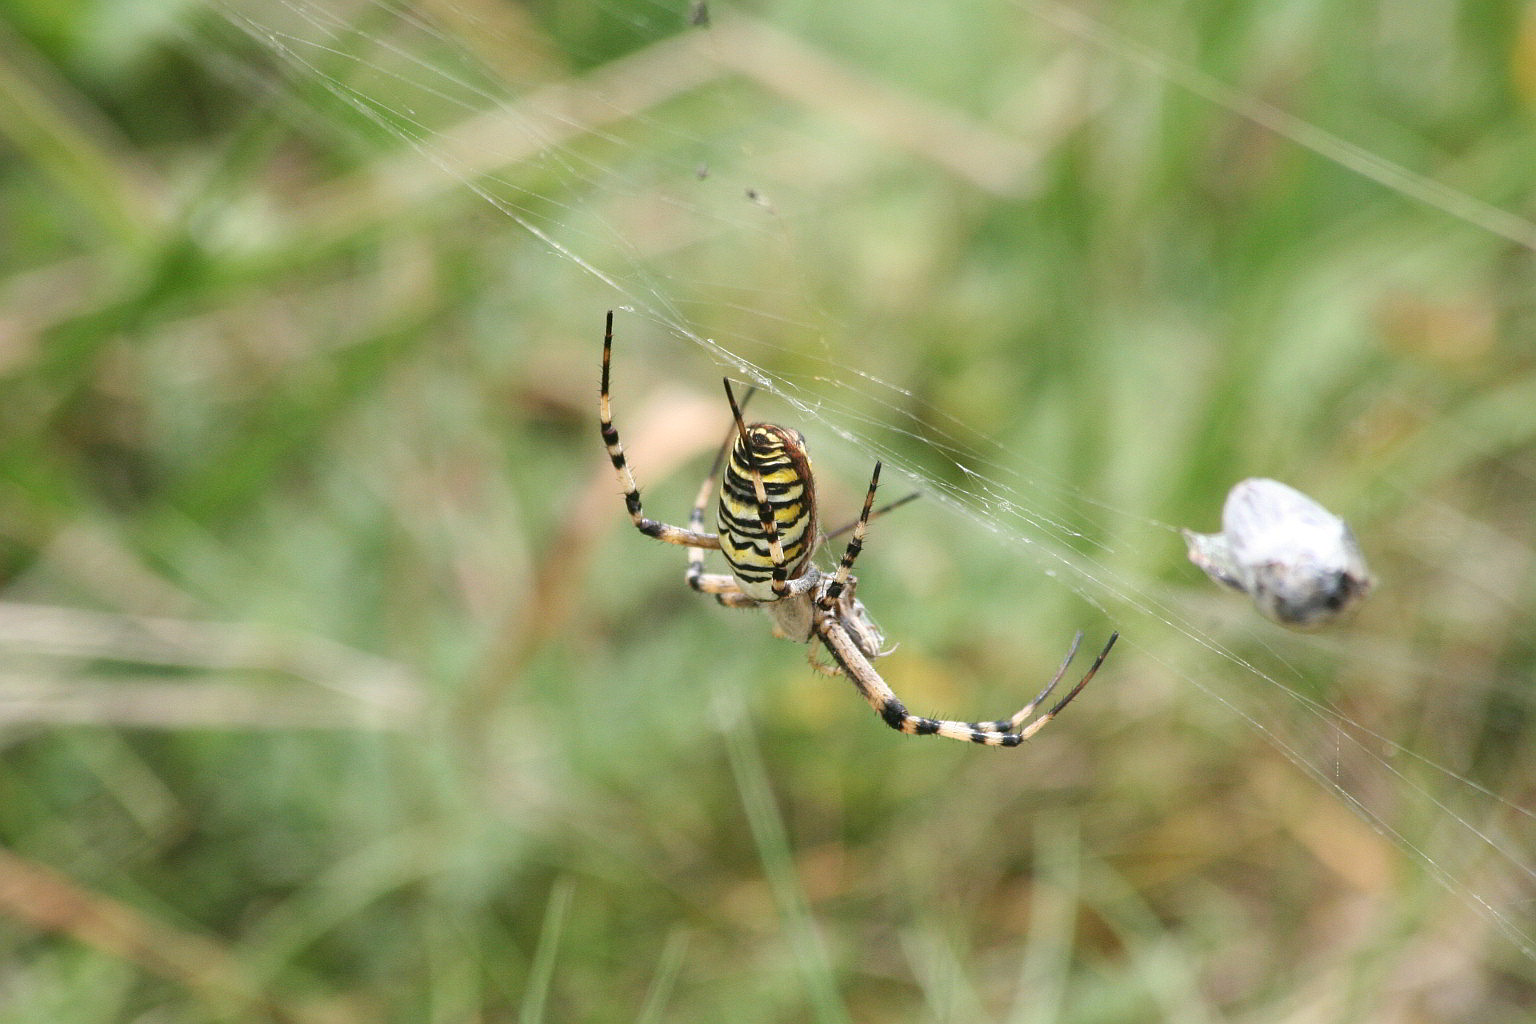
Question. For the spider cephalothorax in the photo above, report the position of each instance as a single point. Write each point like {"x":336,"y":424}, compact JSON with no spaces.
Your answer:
{"x":768,"y":535}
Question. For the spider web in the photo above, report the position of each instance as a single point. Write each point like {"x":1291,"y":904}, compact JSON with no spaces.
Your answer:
{"x":679,"y":231}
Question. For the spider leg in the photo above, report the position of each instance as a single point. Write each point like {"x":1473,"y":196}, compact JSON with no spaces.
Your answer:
{"x":876,"y":514}
{"x":719,"y":585}
{"x":1016,"y":723}
{"x":820,"y":666}
{"x":723,"y":585}
{"x":855,"y":545}
{"x":725,"y":589}
{"x":650,"y":527}
{"x":1002,"y":733}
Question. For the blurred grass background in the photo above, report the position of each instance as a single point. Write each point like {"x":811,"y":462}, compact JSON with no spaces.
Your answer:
{"x":336,"y":687}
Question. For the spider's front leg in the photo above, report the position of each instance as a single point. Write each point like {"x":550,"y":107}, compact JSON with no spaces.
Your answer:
{"x":1007,"y":732}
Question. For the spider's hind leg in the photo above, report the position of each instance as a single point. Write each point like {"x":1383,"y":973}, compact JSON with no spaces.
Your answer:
{"x":691,"y":538}
{"x":724,"y":586}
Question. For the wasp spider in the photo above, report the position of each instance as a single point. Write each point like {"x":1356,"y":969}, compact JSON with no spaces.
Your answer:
{"x":767,"y":532}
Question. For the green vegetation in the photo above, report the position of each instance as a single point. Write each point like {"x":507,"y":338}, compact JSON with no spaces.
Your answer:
{"x":335,"y":687}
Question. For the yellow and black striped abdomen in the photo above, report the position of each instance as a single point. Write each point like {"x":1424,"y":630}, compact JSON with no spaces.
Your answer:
{"x":779,"y":456}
